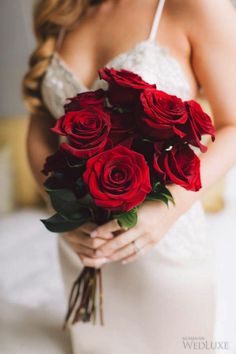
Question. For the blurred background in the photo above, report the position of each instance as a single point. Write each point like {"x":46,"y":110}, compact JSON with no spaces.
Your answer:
{"x":30,"y":283}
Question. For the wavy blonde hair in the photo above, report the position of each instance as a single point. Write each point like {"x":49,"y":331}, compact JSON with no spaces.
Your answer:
{"x":50,"y":16}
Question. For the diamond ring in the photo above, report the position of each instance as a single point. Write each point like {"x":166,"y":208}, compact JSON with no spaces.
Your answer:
{"x":136,"y":248}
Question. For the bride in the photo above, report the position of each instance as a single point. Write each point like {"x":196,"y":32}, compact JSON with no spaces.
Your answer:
{"x":159,"y":280}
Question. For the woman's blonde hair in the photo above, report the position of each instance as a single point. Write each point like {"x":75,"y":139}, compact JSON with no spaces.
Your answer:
{"x":50,"y":16}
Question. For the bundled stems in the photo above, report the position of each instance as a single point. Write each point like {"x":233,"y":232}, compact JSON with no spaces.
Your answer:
{"x":87,"y":289}
{"x":99,"y":274}
{"x":83,"y":296}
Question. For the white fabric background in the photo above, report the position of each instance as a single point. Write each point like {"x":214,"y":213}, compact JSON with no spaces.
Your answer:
{"x":31,"y":295}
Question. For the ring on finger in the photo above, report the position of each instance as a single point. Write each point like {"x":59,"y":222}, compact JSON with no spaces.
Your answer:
{"x":136,"y":248}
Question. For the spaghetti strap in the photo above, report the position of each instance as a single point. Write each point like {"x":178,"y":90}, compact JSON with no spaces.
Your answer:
{"x":156,"y":20}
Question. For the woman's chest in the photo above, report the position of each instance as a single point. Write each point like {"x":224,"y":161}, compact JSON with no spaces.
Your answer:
{"x":152,"y":62}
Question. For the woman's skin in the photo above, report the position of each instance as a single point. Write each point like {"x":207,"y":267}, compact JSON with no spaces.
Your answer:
{"x":201,"y":35}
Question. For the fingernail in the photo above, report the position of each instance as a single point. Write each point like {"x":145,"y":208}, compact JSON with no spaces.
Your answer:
{"x":94,"y":233}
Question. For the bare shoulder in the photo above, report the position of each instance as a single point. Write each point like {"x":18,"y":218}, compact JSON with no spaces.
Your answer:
{"x":205,"y":17}
{"x":200,"y":7}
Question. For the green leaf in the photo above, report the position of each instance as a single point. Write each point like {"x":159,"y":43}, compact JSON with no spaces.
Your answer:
{"x":57,"y":223}
{"x":82,"y":213}
{"x":155,"y":186}
{"x":64,"y":201}
{"x":66,"y":204}
{"x":127,"y":220}
{"x":157,"y":196}
{"x":64,"y":194}
{"x":166,"y":193}
{"x":52,"y":184}
{"x":80,"y":187}
{"x":80,"y":183}
{"x":161,"y":193}
{"x":165,"y":190}
{"x":86,"y":201}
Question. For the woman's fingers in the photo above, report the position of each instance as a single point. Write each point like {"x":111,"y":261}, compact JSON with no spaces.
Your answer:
{"x":131,"y":249}
{"x":127,"y":253}
{"x":93,"y":262}
{"x":95,"y":247}
{"x":118,"y":242}
{"x":84,"y":251}
{"x":136,"y":255}
{"x":84,"y":240}
{"x":88,"y":227}
{"x":105,"y":231}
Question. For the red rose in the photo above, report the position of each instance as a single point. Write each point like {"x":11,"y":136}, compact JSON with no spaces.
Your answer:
{"x":86,"y":130}
{"x":199,"y":123}
{"x":180,"y":165}
{"x":162,"y":115}
{"x":122,"y":128}
{"x":85,"y":99}
{"x":64,"y":169}
{"x":124,"y":86}
{"x":55,"y":163}
{"x":118,"y":179}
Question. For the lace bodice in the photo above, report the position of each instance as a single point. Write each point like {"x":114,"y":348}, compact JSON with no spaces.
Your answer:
{"x":152,"y":62}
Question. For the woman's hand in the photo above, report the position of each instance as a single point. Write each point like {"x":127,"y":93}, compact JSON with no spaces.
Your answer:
{"x":86,"y":246}
{"x":154,"y":220}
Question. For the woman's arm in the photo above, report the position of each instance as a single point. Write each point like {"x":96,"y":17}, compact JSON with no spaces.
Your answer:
{"x":211,"y":29}
{"x":41,"y":142}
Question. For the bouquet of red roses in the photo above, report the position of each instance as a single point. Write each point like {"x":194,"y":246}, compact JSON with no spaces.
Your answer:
{"x":124,"y":145}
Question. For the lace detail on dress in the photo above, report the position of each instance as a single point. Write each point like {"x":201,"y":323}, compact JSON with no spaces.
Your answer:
{"x":152,"y":62}
{"x":155,"y":65}
{"x":58,"y":85}
{"x":187,"y":239}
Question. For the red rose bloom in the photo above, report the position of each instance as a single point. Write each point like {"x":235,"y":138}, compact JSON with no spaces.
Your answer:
{"x":122,"y":128}
{"x":85,"y":99}
{"x":162,"y":115}
{"x":199,"y":123}
{"x":64,"y":169}
{"x":124,"y":86}
{"x":180,"y":165}
{"x":86,"y":130}
{"x":118,"y":179}
{"x":56,"y":162}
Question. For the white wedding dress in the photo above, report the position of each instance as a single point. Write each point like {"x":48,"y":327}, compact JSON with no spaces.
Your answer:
{"x":160,"y":302}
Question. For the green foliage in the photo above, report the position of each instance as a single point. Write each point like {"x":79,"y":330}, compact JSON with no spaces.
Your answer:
{"x":57,"y":223}
{"x":64,"y":201}
{"x":69,"y":207}
{"x":160,"y":193}
{"x":127,"y":220}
